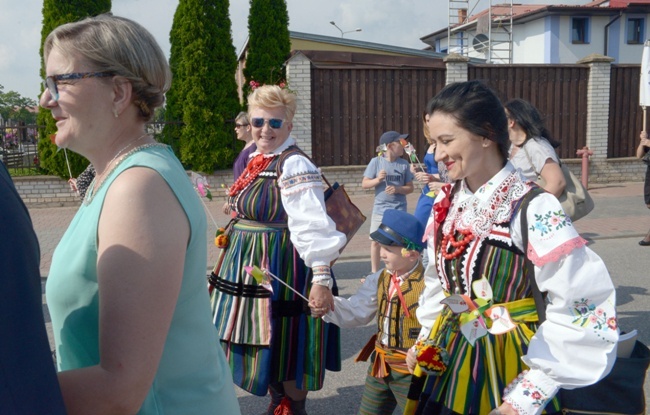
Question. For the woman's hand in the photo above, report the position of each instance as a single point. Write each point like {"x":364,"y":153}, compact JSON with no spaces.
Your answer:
{"x":321,"y":300}
{"x":423,"y":177}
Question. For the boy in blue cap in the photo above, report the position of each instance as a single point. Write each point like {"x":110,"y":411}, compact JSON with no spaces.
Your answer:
{"x":393,"y":295}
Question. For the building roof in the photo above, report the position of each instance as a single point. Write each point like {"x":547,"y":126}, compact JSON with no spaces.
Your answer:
{"x":522,"y":13}
{"x":351,"y":43}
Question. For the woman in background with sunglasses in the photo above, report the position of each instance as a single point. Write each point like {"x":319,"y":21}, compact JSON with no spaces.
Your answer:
{"x":126,"y":288}
{"x":244,"y":133}
{"x":281,"y":225}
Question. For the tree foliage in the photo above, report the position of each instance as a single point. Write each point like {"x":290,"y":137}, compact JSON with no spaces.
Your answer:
{"x":56,"y":13}
{"x":14,"y":106}
{"x":269,"y":44}
{"x":203,"y":94}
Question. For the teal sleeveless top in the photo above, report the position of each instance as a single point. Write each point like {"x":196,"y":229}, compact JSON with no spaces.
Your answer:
{"x":193,"y":376}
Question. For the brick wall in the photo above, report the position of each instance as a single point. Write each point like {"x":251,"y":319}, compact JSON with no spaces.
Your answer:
{"x":52,"y":191}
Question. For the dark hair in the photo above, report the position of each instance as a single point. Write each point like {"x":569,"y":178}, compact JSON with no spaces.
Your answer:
{"x":530,"y":120}
{"x":477,"y":109}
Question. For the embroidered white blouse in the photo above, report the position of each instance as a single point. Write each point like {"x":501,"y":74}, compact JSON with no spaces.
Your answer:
{"x":576,"y":345}
{"x":313,"y":233}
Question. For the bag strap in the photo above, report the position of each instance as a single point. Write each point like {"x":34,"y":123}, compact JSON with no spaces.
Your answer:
{"x":539,"y":298}
{"x":293,"y":150}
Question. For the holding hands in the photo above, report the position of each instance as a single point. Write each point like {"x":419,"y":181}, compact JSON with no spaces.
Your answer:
{"x":321,"y":300}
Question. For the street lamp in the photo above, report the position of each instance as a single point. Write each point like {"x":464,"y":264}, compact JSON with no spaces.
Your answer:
{"x":358,"y":29}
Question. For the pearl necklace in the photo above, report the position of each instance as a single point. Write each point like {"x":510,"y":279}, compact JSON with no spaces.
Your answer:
{"x":100,"y":178}
{"x":95,"y":186}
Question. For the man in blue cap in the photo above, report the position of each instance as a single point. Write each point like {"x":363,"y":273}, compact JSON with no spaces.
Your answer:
{"x":393,"y":295}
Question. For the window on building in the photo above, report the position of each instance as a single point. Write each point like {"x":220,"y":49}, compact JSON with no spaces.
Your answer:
{"x":635,"y":30}
{"x":580,"y":30}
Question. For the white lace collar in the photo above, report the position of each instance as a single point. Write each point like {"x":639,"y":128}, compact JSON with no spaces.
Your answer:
{"x":492,"y":203}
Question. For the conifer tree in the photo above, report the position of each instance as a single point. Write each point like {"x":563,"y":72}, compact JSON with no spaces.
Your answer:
{"x":203,"y":94}
{"x":268,"y":44}
{"x":56,"y":13}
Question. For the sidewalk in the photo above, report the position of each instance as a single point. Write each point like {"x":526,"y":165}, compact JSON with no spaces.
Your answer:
{"x":619,"y":213}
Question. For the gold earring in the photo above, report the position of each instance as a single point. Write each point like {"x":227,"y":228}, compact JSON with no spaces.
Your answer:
{"x":115,"y":113}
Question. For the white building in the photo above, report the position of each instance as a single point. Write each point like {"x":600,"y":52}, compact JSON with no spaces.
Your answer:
{"x":546,"y":34}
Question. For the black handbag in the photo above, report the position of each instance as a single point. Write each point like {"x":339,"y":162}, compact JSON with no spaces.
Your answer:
{"x":621,"y":391}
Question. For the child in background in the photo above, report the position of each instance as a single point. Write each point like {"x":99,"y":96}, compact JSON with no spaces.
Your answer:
{"x":389,"y":174}
{"x":393,"y":295}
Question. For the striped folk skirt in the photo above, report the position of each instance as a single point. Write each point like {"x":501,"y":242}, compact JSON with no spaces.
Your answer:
{"x":269,"y":336}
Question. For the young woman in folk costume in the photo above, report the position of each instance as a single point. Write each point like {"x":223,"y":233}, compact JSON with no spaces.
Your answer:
{"x":271,"y":341}
{"x":502,"y":361}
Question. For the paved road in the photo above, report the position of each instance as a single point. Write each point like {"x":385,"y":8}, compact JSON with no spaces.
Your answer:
{"x":613,"y":229}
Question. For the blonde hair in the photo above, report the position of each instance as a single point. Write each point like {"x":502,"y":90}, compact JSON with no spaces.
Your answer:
{"x":242,"y":116}
{"x":272,"y":96}
{"x":119,"y":46}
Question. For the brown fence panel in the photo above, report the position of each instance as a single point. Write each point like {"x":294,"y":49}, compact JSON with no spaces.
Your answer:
{"x":352,"y":107}
{"x":625,"y":114}
{"x":558,"y":91}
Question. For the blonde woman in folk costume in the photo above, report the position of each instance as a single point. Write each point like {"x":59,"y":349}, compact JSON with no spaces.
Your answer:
{"x":271,"y":340}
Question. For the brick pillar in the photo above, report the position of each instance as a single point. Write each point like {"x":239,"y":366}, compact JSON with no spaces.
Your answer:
{"x":456,"y":68}
{"x":598,"y":103}
{"x":299,"y":79}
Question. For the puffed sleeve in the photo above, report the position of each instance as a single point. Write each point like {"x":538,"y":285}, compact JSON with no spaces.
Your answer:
{"x":358,"y":310}
{"x":430,"y":305}
{"x":576,"y":345}
{"x":313,"y":233}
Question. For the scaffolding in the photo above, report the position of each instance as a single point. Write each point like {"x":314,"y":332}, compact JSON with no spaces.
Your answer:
{"x":487,"y":36}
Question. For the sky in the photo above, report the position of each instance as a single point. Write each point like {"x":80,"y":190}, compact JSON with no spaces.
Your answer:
{"x":391,"y":22}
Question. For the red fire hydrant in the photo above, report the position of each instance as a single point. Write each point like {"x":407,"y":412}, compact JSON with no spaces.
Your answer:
{"x":585,"y":153}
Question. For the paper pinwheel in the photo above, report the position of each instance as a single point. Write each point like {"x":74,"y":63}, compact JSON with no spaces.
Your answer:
{"x":261,"y":277}
{"x":474,"y":312}
{"x":410,"y":151}
{"x":201,"y":185}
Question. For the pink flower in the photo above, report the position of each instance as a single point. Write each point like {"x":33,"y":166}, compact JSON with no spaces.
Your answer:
{"x":282,"y":85}
{"x":593,"y":319}
{"x":536,"y":395}
{"x":600,"y":312}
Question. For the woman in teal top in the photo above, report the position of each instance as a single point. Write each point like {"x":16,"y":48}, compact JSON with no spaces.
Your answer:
{"x":126,"y":290}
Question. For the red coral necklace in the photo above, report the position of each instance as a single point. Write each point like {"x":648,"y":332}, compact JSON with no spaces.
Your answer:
{"x":459,"y":246}
{"x":253,"y":169}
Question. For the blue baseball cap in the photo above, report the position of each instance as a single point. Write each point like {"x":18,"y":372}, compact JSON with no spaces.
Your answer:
{"x":391,"y":136}
{"x":399,"y":228}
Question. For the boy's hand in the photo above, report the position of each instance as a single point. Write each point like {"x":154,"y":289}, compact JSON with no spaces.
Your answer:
{"x":411,"y":360}
{"x":390,"y":190}
{"x":381,"y":175}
